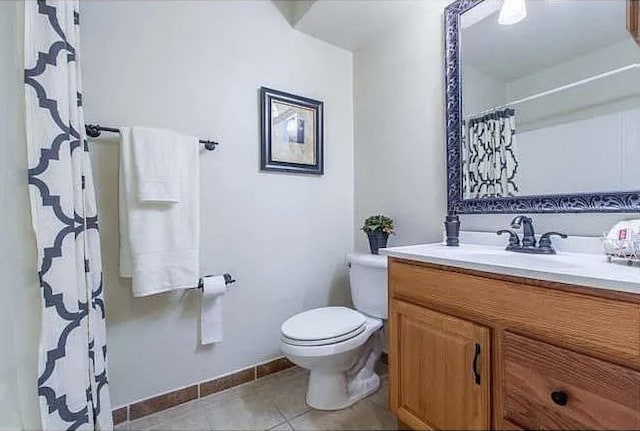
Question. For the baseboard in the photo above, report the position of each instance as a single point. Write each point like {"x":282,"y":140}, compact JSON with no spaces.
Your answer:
{"x":171,"y":399}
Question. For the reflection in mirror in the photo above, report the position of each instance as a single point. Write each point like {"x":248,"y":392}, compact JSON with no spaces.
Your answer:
{"x":551,"y":103}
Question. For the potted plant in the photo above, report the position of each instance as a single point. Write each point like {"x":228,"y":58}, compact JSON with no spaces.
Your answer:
{"x":378,"y":228}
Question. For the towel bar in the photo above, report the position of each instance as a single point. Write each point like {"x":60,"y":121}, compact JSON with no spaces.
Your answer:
{"x":227,"y":280}
{"x":94,"y":131}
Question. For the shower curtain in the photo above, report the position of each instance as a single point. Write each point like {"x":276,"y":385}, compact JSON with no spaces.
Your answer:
{"x":490,"y":165}
{"x":72,"y":376}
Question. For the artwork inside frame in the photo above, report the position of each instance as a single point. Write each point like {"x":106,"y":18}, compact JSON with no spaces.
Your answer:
{"x":291,"y":129}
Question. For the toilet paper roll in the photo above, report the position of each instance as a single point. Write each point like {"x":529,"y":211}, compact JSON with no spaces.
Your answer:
{"x":213,"y":289}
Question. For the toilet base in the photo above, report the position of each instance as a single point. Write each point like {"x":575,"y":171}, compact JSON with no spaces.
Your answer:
{"x":335,"y":390}
{"x":330,"y":391}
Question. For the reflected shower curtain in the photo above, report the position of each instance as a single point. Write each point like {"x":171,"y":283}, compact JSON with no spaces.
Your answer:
{"x":490,"y":164}
{"x":72,"y":377}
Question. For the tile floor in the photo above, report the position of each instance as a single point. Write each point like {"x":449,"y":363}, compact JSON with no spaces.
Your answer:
{"x":276,"y":402}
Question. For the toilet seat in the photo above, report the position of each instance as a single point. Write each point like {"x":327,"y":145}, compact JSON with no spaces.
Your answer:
{"x":371,"y":325}
{"x":324,"y":341}
{"x":323,"y":326}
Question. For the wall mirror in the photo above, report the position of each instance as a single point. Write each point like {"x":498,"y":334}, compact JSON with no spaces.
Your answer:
{"x":543,"y":106}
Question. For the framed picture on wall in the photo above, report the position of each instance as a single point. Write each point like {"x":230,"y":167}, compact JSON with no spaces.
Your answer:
{"x":291,"y":133}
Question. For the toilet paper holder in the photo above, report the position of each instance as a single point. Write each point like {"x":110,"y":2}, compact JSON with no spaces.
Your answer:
{"x":228,"y":279}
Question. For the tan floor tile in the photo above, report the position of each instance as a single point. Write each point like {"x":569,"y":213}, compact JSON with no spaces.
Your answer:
{"x":284,"y":426}
{"x":211,"y":402}
{"x":188,"y":413}
{"x":241,"y":410}
{"x":197,"y":422}
{"x":320,"y":420}
{"x":370,"y":415}
{"x":145,"y":423}
{"x":267,"y":404}
{"x":365,"y":415}
{"x":381,"y":397}
{"x":288,"y":391}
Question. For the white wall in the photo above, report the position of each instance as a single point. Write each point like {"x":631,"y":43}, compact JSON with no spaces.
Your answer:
{"x":19,"y":296}
{"x":196,"y":67}
{"x":399,"y":133}
{"x":481,"y":91}
{"x":613,"y":93}
{"x":614,"y":56}
{"x":604,"y":150}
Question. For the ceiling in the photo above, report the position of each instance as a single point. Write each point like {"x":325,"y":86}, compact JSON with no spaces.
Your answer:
{"x":293,"y":10}
{"x":346,"y":23}
{"x":553,"y":32}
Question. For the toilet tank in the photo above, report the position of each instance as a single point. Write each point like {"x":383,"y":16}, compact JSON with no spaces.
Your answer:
{"x":368,"y":279}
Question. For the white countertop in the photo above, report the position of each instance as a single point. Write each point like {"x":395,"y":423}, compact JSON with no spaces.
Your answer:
{"x":583,"y":269}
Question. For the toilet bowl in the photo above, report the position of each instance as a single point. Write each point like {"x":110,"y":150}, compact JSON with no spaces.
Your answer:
{"x":338,"y":345}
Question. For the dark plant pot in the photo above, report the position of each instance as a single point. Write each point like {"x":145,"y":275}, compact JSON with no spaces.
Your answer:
{"x":377,"y":240}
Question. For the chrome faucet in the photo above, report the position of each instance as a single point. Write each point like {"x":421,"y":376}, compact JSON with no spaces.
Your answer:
{"x":528,"y":244}
{"x":529,"y":235}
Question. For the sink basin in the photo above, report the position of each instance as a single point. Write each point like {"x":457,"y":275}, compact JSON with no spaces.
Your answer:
{"x":509,"y":258}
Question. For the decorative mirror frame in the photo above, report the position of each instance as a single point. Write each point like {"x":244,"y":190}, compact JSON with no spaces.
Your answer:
{"x":567,"y":203}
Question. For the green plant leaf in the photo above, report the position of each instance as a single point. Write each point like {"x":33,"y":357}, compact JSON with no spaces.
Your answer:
{"x":378,"y":223}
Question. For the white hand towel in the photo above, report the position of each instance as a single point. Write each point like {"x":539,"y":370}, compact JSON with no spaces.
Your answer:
{"x":154,"y":152}
{"x":160,"y":242}
{"x":211,"y":309}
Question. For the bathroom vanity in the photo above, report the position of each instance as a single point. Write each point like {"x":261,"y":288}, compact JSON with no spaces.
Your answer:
{"x":480,"y":338}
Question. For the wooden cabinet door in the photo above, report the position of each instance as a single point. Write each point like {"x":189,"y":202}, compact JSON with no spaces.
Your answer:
{"x":438,"y":369}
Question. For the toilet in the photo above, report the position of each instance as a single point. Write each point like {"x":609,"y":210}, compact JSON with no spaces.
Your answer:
{"x":338,"y":345}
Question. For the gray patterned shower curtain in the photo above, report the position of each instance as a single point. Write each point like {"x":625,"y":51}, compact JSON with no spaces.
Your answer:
{"x":490,"y":165}
{"x":72,"y":382}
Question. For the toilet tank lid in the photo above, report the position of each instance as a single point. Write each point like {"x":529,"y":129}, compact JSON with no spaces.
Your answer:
{"x":371,"y":260}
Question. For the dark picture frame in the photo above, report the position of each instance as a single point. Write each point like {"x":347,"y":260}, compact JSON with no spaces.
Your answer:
{"x":291,"y":131}
{"x":611,"y":202}
{"x":633,"y":19}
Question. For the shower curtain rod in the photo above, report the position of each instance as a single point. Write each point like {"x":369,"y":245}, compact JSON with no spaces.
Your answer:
{"x":94,"y":131}
{"x":564,"y":87}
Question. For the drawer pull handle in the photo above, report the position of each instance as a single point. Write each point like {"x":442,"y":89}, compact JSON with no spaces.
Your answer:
{"x":476,"y":374}
{"x":560,"y":398}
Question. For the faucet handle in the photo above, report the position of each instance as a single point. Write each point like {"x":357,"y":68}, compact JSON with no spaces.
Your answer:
{"x":545,"y":239}
{"x":514,"y":239}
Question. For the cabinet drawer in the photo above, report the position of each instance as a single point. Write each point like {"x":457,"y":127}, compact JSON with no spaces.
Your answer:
{"x":586,"y":323}
{"x":547,"y":387}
